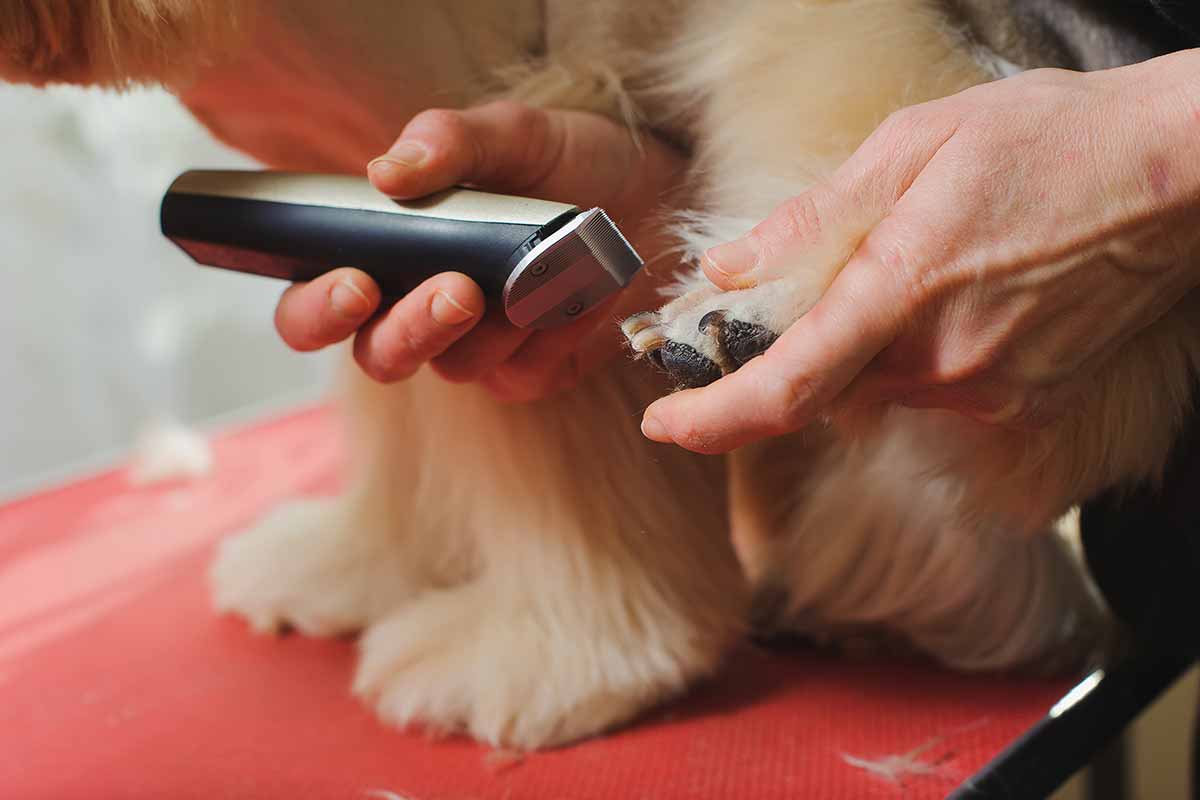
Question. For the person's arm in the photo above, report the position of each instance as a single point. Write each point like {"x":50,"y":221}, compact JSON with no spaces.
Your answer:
{"x":1015,"y":236}
{"x":568,"y":156}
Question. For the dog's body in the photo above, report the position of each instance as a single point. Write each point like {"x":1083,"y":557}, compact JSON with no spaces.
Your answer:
{"x":535,"y":574}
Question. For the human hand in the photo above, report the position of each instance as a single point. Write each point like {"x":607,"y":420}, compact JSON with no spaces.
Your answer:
{"x":1002,"y":244}
{"x":568,"y":156}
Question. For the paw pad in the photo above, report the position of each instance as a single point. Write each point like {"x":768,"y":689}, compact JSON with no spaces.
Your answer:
{"x":718,"y":346}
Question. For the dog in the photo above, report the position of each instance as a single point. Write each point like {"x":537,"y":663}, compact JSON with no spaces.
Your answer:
{"x":531,"y":575}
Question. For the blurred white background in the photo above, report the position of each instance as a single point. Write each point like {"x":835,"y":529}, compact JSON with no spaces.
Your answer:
{"x":105,"y":326}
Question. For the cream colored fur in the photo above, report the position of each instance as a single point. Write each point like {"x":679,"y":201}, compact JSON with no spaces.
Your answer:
{"x":535,"y":574}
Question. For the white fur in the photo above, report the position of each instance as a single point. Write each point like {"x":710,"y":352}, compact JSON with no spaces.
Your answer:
{"x":535,"y":574}
{"x":523,"y":576}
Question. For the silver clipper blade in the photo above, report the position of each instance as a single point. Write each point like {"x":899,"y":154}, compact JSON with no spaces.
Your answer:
{"x":569,"y":273}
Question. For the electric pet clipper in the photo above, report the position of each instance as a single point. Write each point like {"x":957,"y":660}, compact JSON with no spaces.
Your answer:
{"x":546,"y":262}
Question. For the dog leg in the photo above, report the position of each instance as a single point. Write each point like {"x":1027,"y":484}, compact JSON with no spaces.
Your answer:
{"x":331,"y":566}
{"x":877,"y":537}
{"x":606,"y":581}
{"x":314,"y":566}
{"x":780,"y":94}
{"x":888,"y":527}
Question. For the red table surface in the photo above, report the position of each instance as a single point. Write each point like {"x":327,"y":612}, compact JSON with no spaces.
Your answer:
{"x":117,"y":681}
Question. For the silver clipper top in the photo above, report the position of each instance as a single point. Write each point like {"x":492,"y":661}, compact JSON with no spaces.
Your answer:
{"x":546,"y":262}
{"x":573,"y":270}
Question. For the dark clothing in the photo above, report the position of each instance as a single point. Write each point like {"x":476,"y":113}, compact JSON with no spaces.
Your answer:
{"x":1143,"y":549}
{"x":1183,"y":15}
{"x":1143,"y":545}
{"x":1163,"y":25}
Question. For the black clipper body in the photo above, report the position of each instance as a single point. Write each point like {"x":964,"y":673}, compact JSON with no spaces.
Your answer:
{"x":546,"y":262}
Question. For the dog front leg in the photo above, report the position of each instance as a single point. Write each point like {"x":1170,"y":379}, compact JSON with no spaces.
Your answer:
{"x":605,"y":582}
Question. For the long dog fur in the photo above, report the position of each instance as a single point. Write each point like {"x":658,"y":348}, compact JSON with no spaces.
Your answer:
{"x":535,"y":574}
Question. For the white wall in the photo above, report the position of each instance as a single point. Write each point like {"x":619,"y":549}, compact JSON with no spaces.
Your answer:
{"x":104,"y":325}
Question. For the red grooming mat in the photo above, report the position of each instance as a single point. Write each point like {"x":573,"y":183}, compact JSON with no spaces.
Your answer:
{"x":117,"y":681}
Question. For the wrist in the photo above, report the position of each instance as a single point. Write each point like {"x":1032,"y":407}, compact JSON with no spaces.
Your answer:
{"x":1160,"y":99}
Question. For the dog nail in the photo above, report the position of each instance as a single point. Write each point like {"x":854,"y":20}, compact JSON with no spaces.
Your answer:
{"x":710,"y":320}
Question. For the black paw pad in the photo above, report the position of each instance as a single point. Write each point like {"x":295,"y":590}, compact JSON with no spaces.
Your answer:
{"x":744,"y":340}
{"x":690,"y":368}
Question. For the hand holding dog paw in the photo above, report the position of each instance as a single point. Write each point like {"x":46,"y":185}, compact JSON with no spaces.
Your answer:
{"x":567,"y":156}
{"x":998,"y":246}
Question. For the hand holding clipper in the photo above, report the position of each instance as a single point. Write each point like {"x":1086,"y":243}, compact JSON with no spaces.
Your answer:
{"x":547,"y":262}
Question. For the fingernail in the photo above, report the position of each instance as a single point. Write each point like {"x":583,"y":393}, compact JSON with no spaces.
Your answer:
{"x":404,"y":156}
{"x":349,"y":301}
{"x":734,"y":258}
{"x":448,"y":311}
{"x":653,"y":429}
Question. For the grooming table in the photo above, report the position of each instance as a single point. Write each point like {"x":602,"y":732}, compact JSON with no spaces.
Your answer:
{"x":117,"y":681}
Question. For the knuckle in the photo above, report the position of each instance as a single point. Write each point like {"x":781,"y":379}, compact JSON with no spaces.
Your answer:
{"x":447,"y":119}
{"x":382,"y":367}
{"x":412,"y":345}
{"x":514,"y":110}
{"x":900,"y":263}
{"x":446,"y":127}
{"x":899,"y":127}
{"x":797,"y":219}
{"x":531,"y":154}
{"x":1045,"y":366}
{"x":795,"y":400}
{"x":906,"y":138}
{"x":975,"y":144}
{"x":969,"y":365}
{"x":389,"y":362}
{"x":892,"y":260}
{"x":537,"y":128}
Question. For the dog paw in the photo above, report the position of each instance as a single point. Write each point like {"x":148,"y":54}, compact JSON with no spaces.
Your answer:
{"x":305,"y":568}
{"x":705,"y":334}
{"x":457,"y":661}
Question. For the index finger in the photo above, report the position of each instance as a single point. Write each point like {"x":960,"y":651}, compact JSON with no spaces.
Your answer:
{"x":798,"y":377}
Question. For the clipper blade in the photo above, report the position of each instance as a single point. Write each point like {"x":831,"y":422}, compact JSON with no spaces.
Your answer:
{"x":573,"y":270}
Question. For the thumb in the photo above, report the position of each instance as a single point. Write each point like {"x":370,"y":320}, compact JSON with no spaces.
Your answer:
{"x":796,"y":379}
{"x":504,"y":146}
{"x":825,"y":224}
{"x":822,"y":225}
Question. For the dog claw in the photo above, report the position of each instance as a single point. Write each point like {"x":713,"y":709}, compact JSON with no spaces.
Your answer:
{"x":710,"y":320}
{"x":736,"y":342}
{"x":647,"y":341}
{"x":686,"y":366}
{"x":634,"y":325}
{"x":644,"y":333}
